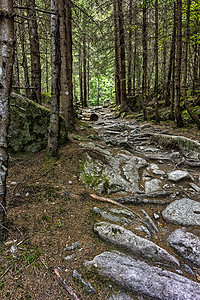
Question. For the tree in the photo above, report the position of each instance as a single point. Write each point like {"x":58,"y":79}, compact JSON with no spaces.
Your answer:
{"x":177,"y":110}
{"x":6,"y":64}
{"x":124,"y":104}
{"x":55,"y":81}
{"x":144,"y":67}
{"x":185,"y":63}
{"x":35,"y":52}
{"x":156,"y":62}
{"x":66,"y":62}
{"x":117,"y":68}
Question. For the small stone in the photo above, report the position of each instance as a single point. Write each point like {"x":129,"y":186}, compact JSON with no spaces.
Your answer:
{"x":17,"y":195}
{"x":69,"y":257}
{"x":156,"y":217}
{"x":13,"y":182}
{"x":27,"y":194}
{"x":70,"y":182}
{"x":73,"y":246}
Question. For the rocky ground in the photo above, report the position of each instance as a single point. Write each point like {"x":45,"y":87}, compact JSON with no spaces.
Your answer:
{"x":144,"y":245}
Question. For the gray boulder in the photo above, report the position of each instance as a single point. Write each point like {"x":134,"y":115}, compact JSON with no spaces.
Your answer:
{"x":187,"y":245}
{"x":183,"y":212}
{"x":178,"y":175}
{"x":135,"y":245}
{"x":29,"y":123}
{"x":138,"y":277}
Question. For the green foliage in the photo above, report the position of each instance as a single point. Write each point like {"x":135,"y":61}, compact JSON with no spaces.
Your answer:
{"x":46,"y":98}
{"x":106,"y":90}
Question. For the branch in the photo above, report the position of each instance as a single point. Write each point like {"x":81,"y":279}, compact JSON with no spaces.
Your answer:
{"x":64,"y":284}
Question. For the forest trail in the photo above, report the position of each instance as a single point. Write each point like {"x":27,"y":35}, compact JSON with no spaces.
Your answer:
{"x":51,"y":215}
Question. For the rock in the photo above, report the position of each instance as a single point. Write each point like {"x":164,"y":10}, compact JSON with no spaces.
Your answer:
{"x":195,"y":187}
{"x":111,"y":217}
{"x":187,"y":245}
{"x":73,"y":246}
{"x":134,"y":244}
{"x":120,"y":297}
{"x":179,"y":142}
{"x":138,"y":277}
{"x":178,"y":175}
{"x":28,"y":129}
{"x":152,"y":186}
{"x":184,"y":212}
{"x":156,"y":216}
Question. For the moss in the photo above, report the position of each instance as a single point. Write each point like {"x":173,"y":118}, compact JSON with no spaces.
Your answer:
{"x":28,"y":131}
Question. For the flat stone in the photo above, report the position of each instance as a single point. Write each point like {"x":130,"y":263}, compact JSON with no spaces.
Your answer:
{"x":138,"y":277}
{"x":178,"y":175}
{"x":187,"y":245}
{"x":112,"y":217}
{"x":134,"y":244}
{"x":184,"y":212}
{"x":152,"y":186}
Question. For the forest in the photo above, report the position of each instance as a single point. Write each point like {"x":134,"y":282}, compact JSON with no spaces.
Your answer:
{"x":132,"y":61}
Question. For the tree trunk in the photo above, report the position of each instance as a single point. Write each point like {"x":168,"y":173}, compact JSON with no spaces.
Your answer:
{"x":156,"y":62}
{"x":177,"y":109}
{"x":144,"y":67}
{"x":55,"y":81}
{"x":171,"y":61}
{"x":124,"y":104}
{"x":69,"y":114}
{"x":80,"y":76}
{"x":16,"y":63}
{"x":185,"y":62}
{"x":135,"y":63}
{"x":6,"y":65}
{"x":24,"y":58}
{"x":66,"y":62}
{"x":84,"y":73}
{"x":35,"y":52}
{"x":130,"y":50}
{"x":117,"y":71}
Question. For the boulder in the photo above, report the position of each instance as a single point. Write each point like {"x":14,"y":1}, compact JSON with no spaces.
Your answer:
{"x":138,"y":277}
{"x":187,"y":245}
{"x":29,"y":121}
{"x":183,"y":212}
{"x":178,"y":175}
{"x":135,"y":245}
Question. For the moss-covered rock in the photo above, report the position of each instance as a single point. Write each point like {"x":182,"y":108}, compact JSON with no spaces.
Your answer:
{"x":28,"y":131}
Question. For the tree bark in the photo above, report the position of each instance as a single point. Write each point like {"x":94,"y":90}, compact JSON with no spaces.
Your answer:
{"x":130,"y":50}
{"x":171,"y":61}
{"x":55,"y":81}
{"x":185,"y":63}
{"x":124,"y":104}
{"x":66,"y":62}
{"x":35,"y":52}
{"x":144,"y":67}
{"x":156,"y":62}
{"x":6,"y":66}
{"x":177,"y":109}
{"x":117,"y":70}
{"x":84,"y":73}
{"x":80,"y":76}
{"x":24,"y":57}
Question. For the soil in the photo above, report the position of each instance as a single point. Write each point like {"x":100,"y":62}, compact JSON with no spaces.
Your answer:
{"x":49,"y":208}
